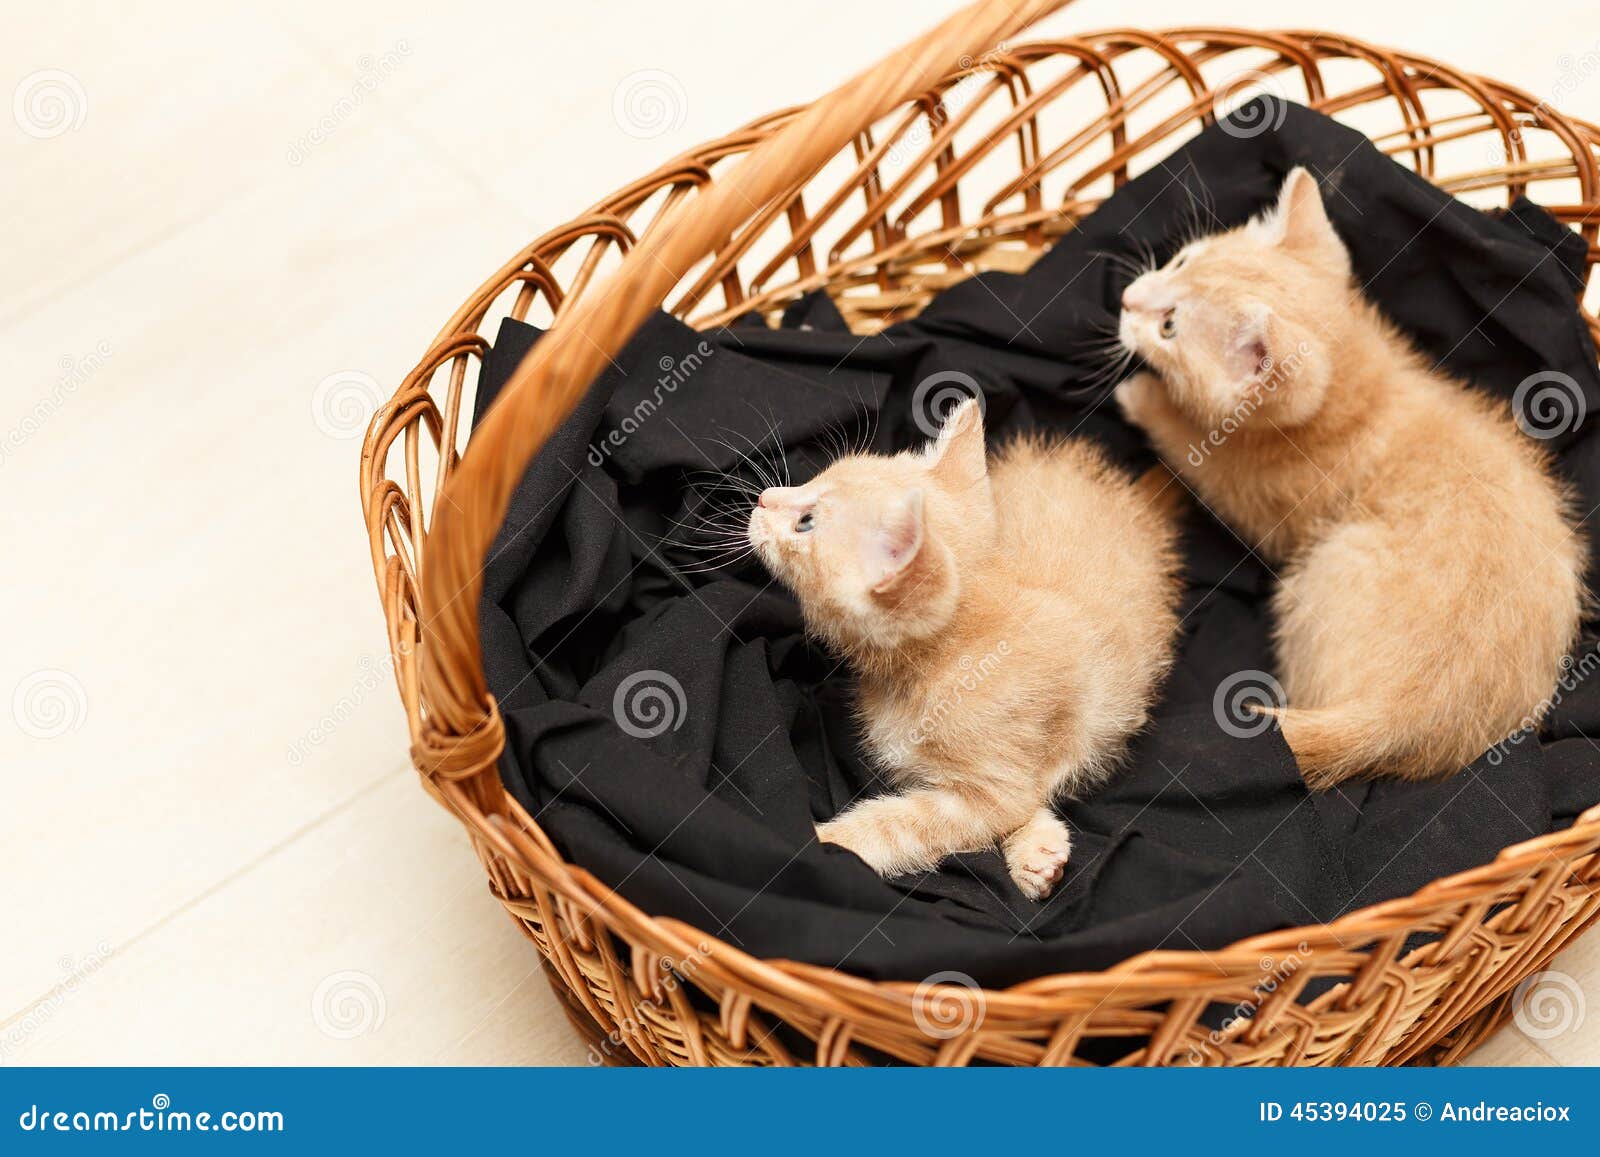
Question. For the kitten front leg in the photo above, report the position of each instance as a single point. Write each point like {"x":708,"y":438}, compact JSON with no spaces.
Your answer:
{"x":896,"y":834}
{"x":1144,"y":401}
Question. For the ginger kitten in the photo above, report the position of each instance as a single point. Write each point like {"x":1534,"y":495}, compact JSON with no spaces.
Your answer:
{"x":1009,"y":623}
{"x":1431,"y":578}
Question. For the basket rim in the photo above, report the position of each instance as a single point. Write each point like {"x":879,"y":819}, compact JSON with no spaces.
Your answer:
{"x":501,"y":827}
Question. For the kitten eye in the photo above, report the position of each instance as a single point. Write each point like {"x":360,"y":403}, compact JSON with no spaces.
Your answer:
{"x":806,"y":522}
{"x":1169,"y":325}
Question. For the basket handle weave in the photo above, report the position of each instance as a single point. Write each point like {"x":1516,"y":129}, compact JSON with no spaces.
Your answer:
{"x":462,"y":735}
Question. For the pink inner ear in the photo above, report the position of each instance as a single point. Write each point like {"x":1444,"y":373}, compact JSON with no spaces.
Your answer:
{"x":895,"y":544}
{"x":1249,"y":357}
{"x":899,"y":543}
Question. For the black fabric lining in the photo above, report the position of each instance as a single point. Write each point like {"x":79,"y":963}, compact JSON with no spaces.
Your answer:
{"x":1204,"y":838}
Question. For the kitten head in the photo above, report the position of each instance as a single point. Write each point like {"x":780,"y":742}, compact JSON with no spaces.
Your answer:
{"x":1236,"y":324}
{"x":874,"y":546}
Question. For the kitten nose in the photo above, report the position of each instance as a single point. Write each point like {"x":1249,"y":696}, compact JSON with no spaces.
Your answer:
{"x":1142,"y":296}
{"x":781,"y":497}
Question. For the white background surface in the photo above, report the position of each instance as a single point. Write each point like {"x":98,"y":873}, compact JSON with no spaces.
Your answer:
{"x":184,"y":540}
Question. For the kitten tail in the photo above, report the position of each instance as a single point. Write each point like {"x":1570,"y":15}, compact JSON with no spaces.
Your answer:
{"x":1333,"y":744}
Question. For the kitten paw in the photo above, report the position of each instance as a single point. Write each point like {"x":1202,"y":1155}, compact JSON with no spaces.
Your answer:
{"x":844,"y":834}
{"x":1135,"y":396}
{"x":832,"y":832}
{"x":1037,"y":854}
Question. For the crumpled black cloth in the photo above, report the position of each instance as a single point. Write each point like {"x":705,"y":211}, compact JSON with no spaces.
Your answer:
{"x":1205,"y":837}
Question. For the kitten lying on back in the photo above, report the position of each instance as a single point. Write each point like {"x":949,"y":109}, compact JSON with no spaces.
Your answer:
{"x":1009,"y":624}
{"x":1431,"y":577}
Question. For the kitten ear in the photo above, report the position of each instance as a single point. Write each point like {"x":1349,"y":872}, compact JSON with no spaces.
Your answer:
{"x":1300,"y":221}
{"x":959,"y":458}
{"x":1277,"y":364}
{"x":894,"y":545}
{"x":1249,"y":352}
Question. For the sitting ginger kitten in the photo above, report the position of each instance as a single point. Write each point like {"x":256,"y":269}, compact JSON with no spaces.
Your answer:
{"x":1431,"y":578}
{"x":1008,"y":623}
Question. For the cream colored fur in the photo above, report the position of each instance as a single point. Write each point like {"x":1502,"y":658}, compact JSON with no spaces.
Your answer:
{"x":1009,"y":623}
{"x":1431,"y":580}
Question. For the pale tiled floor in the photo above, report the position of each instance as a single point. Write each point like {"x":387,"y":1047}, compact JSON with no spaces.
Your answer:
{"x":227,"y":833}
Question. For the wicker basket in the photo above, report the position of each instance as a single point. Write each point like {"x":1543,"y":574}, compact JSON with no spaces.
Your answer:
{"x":885,"y":192}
